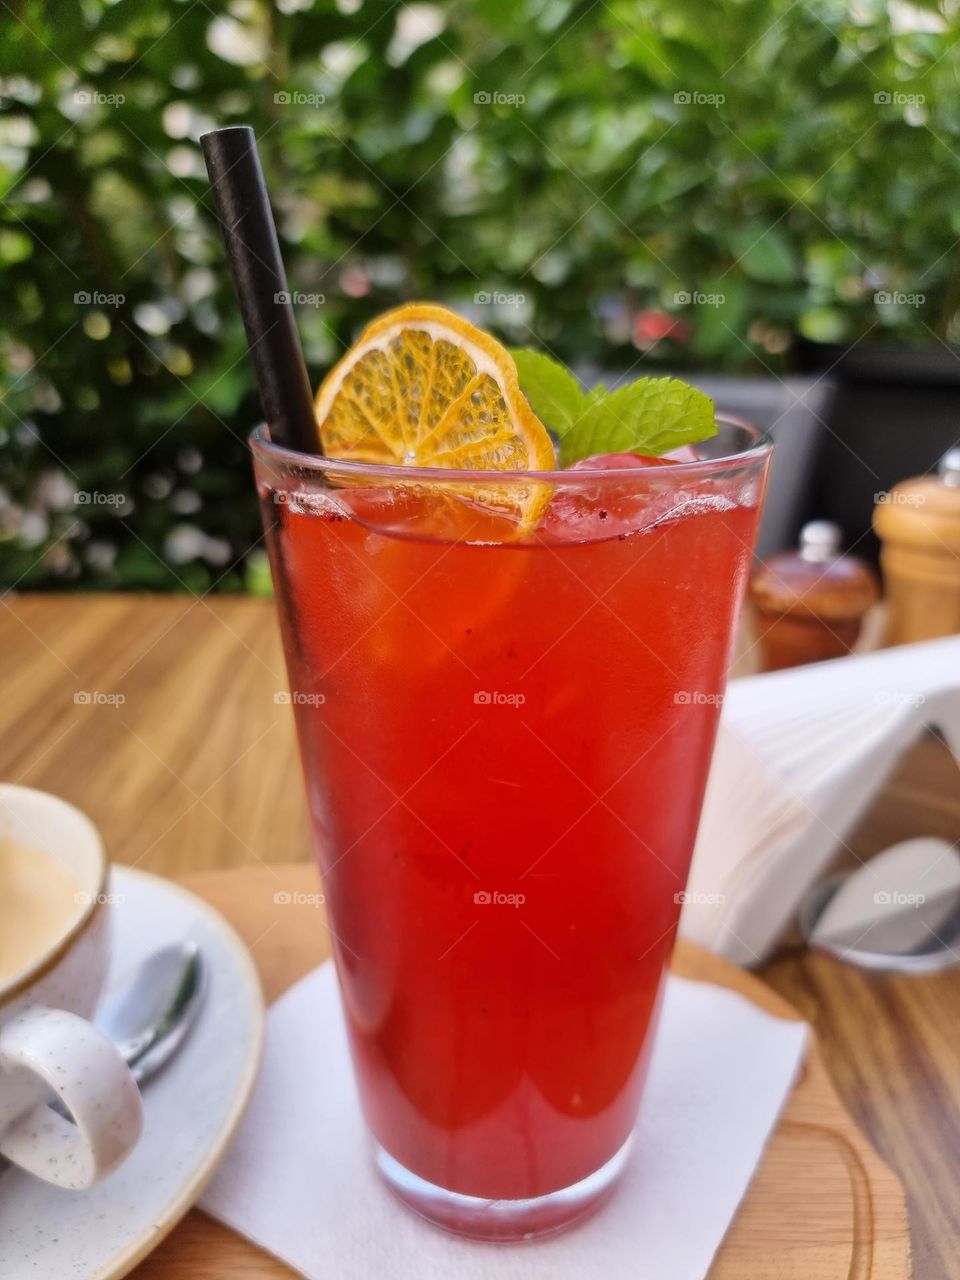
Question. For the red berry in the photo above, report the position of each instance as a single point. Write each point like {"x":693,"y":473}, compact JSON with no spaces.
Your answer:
{"x":617,"y":462}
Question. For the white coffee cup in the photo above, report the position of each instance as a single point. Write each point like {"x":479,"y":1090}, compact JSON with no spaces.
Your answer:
{"x":47,"y":1042}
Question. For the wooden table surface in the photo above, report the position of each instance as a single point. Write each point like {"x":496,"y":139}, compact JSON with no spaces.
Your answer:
{"x":163,"y":718}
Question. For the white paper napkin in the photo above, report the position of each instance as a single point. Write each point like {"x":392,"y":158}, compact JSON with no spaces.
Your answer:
{"x":297,"y":1179}
{"x":800,"y":756}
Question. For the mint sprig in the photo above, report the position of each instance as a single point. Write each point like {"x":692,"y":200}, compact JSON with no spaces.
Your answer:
{"x":650,"y":416}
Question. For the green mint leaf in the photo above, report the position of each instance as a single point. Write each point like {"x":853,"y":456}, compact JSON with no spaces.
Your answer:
{"x":552,"y":390}
{"x":651,"y":416}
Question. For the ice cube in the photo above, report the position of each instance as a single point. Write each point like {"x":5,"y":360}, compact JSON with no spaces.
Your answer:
{"x":617,"y":506}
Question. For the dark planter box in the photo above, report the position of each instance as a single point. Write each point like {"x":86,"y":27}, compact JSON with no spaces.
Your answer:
{"x":892,"y":412}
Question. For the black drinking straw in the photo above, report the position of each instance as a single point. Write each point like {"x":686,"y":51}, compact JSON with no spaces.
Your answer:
{"x":250,"y":235}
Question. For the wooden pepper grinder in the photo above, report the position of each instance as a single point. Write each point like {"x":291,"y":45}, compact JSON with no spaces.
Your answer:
{"x":918,"y":523}
{"x":809,"y":604}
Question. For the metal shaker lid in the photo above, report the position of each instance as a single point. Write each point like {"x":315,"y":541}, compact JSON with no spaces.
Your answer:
{"x":820,"y":541}
{"x":949,"y":468}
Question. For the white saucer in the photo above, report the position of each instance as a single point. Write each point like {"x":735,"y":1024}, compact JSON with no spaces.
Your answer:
{"x":192,"y":1107}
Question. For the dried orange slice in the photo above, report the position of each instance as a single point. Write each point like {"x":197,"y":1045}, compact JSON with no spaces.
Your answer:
{"x":422,"y":387}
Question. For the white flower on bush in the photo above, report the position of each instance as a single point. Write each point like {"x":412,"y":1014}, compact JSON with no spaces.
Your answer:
{"x":100,"y":556}
{"x":54,"y":490}
{"x":186,"y":542}
{"x":33,"y":530}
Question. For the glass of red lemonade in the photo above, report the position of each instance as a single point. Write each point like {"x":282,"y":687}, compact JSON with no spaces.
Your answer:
{"x":505,"y":736}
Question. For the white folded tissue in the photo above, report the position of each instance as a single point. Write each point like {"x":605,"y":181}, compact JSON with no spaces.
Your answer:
{"x":298,"y":1181}
{"x":800,"y":756}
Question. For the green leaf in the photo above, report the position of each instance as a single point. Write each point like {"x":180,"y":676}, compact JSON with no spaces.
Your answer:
{"x":651,"y":416}
{"x":765,"y":255}
{"x":14,"y":246}
{"x":552,"y":390}
{"x":724,"y":314}
{"x":258,"y":581}
{"x":823,"y":324}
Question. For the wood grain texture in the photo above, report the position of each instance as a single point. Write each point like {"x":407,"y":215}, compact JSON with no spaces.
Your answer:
{"x":821,"y":1207}
{"x":198,"y":769}
{"x":891,"y":1042}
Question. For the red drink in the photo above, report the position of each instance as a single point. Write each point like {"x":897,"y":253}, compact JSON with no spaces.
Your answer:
{"x":505,"y":744}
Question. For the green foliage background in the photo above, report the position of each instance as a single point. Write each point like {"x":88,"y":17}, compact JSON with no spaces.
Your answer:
{"x":598,"y":160}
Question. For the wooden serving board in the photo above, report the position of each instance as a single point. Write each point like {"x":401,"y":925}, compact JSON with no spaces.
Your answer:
{"x":822,"y":1205}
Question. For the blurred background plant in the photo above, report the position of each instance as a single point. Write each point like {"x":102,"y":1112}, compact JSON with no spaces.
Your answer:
{"x":682,"y":185}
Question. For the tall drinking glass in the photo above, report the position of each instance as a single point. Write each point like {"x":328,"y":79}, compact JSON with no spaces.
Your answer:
{"x":505,"y":737}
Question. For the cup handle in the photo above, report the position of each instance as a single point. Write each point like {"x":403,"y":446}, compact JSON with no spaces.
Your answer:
{"x":85,"y":1070}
